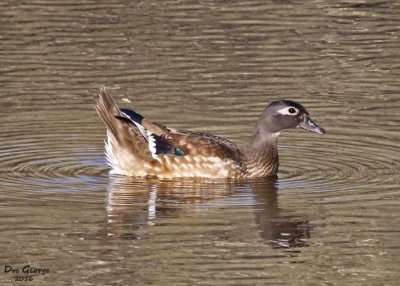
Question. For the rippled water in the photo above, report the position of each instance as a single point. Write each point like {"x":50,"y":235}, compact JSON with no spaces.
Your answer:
{"x":331,"y":217}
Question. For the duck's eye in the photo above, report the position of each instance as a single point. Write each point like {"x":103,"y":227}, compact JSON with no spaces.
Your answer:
{"x":289,"y":111}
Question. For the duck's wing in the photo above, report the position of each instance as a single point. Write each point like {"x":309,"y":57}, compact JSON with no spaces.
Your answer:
{"x":163,"y":140}
{"x":202,"y":144}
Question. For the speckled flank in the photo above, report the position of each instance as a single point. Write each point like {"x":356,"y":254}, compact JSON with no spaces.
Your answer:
{"x":166,"y":166}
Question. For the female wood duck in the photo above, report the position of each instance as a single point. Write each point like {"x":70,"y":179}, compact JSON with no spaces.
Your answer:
{"x":137,"y":146}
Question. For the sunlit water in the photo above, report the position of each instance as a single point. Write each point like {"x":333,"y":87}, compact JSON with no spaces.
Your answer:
{"x":331,"y":217}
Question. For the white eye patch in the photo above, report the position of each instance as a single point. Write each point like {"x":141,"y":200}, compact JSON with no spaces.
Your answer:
{"x":290,"y":110}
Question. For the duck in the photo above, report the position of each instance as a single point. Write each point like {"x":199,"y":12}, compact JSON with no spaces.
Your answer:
{"x":139,"y":147}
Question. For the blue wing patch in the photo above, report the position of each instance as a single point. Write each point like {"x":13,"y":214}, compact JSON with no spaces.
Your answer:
{"x":159,"y":145}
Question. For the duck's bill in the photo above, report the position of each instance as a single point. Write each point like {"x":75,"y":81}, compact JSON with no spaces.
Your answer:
{"x":310,"y":125}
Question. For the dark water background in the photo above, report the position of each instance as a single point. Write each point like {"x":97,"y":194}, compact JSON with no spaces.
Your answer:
{"x":330,"y":218}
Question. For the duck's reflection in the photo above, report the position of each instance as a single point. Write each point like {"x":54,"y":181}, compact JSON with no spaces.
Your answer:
{"x":134,"y":205}
{"x":280,"y":229}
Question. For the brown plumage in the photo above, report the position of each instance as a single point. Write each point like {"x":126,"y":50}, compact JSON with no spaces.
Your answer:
{"x":137,"y":146}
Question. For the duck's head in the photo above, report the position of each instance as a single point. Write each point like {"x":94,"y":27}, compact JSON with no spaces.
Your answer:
{"x":284,"y":114}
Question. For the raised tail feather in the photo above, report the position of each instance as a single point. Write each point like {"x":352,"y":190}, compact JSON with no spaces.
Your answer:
{"x":126,"y":148}
{"x":108,"y":111}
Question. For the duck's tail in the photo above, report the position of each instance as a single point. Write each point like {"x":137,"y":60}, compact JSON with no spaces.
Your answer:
{"x":126,"y":149}
{"x":108,"y":111}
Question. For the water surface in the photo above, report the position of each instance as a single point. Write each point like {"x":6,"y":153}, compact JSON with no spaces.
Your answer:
{"x":331,"y":217}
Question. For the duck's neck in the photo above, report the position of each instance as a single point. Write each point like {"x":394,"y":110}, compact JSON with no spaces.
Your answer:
{"x":262,"y":154}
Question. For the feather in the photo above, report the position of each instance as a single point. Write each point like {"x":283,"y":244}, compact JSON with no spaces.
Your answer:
{"x":160,"y":145}
{"x":130,"y":116}
{"x":152,"y":144}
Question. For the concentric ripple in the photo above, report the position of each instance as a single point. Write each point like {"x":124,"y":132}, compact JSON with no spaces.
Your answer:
{"x":355,"y":152}
{"x":42,"y":151}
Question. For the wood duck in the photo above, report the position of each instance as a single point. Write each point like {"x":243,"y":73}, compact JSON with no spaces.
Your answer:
{"x":136,"y":146}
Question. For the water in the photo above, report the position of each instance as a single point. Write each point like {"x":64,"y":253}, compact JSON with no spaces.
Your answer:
{"x":330,"y":218}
